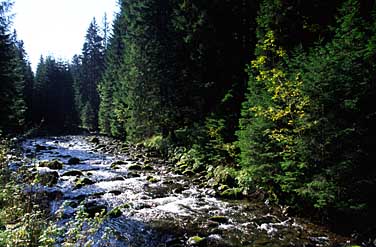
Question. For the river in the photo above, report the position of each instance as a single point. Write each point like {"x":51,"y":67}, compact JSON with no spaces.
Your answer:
{"x":153,"y":205}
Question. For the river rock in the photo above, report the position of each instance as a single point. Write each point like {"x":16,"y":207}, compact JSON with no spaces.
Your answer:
{"x":94,"y":140}
{"x":74,"y":161}
{"x":115,"y":192}
{"x":147,"y":168}
{"x":118,"y":178}
{"x":82,"y":182}
{"x":133,"y":175}
{"x":39,"y":148}
{"x":219,"y":219}
{"x":92,"y":208}
{"x":73,"y":173}
{"x":48,"y":178}
{"x":188,"y":173}
{"x":53,"y":164}
{"x":134,"y":167}
{"x":178,"y":190}
{"x":118,"y":162}
{"x":54,"y":194}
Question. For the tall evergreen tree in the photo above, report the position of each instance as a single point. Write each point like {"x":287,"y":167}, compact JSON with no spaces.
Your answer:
{"x":28,"y":76}
{"x":110,"y":113}
{"x":90,"y":67}
{"x":12,"y":111}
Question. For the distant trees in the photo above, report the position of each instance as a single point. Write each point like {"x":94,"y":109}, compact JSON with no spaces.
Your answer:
{"x":87,"y":71}
{"x":53,"y":97}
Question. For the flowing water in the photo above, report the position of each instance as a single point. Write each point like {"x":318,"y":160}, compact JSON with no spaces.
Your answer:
{"x":156,"y":207}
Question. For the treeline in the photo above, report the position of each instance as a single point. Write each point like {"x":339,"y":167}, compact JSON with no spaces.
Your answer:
{"x":268,"y":95}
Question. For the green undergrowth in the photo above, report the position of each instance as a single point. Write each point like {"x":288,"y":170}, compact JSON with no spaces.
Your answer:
{"x":25,"y":219}
{"x":202,"y":150}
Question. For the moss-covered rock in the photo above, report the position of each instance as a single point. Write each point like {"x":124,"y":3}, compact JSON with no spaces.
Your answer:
{"x":233,"y":193}
{"x":152,"y":179}
{"x":196,"y":241}
{"x":53,"y":164}
{"x":183,"y":167}
{"x":115,"y":167}
{"x":223,"y":187}
{"x":82,"y":182}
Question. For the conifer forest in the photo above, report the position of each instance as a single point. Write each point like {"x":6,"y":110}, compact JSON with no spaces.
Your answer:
{"x":194,"y":123}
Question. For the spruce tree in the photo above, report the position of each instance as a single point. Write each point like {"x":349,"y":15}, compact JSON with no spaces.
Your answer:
{"x":12,"y":111}
{"x":109,"y":114}
{"x":90,"y":67}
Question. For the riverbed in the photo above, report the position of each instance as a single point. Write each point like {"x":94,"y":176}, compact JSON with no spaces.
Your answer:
{"x":147,"y":204}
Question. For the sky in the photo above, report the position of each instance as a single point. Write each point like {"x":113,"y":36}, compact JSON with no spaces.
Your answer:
{"x":57,"y":27}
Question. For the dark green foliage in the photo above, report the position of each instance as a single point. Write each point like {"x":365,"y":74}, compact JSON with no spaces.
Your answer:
{"x":305,"y":129}
{"x":157,"y":79}
{"x":87,"y":71}
{"x":12,"y":82}
{"x":28,"y":76}
{"x":111,"y":99}
{"x":53,"y":101}
{"x":339,"y":78}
